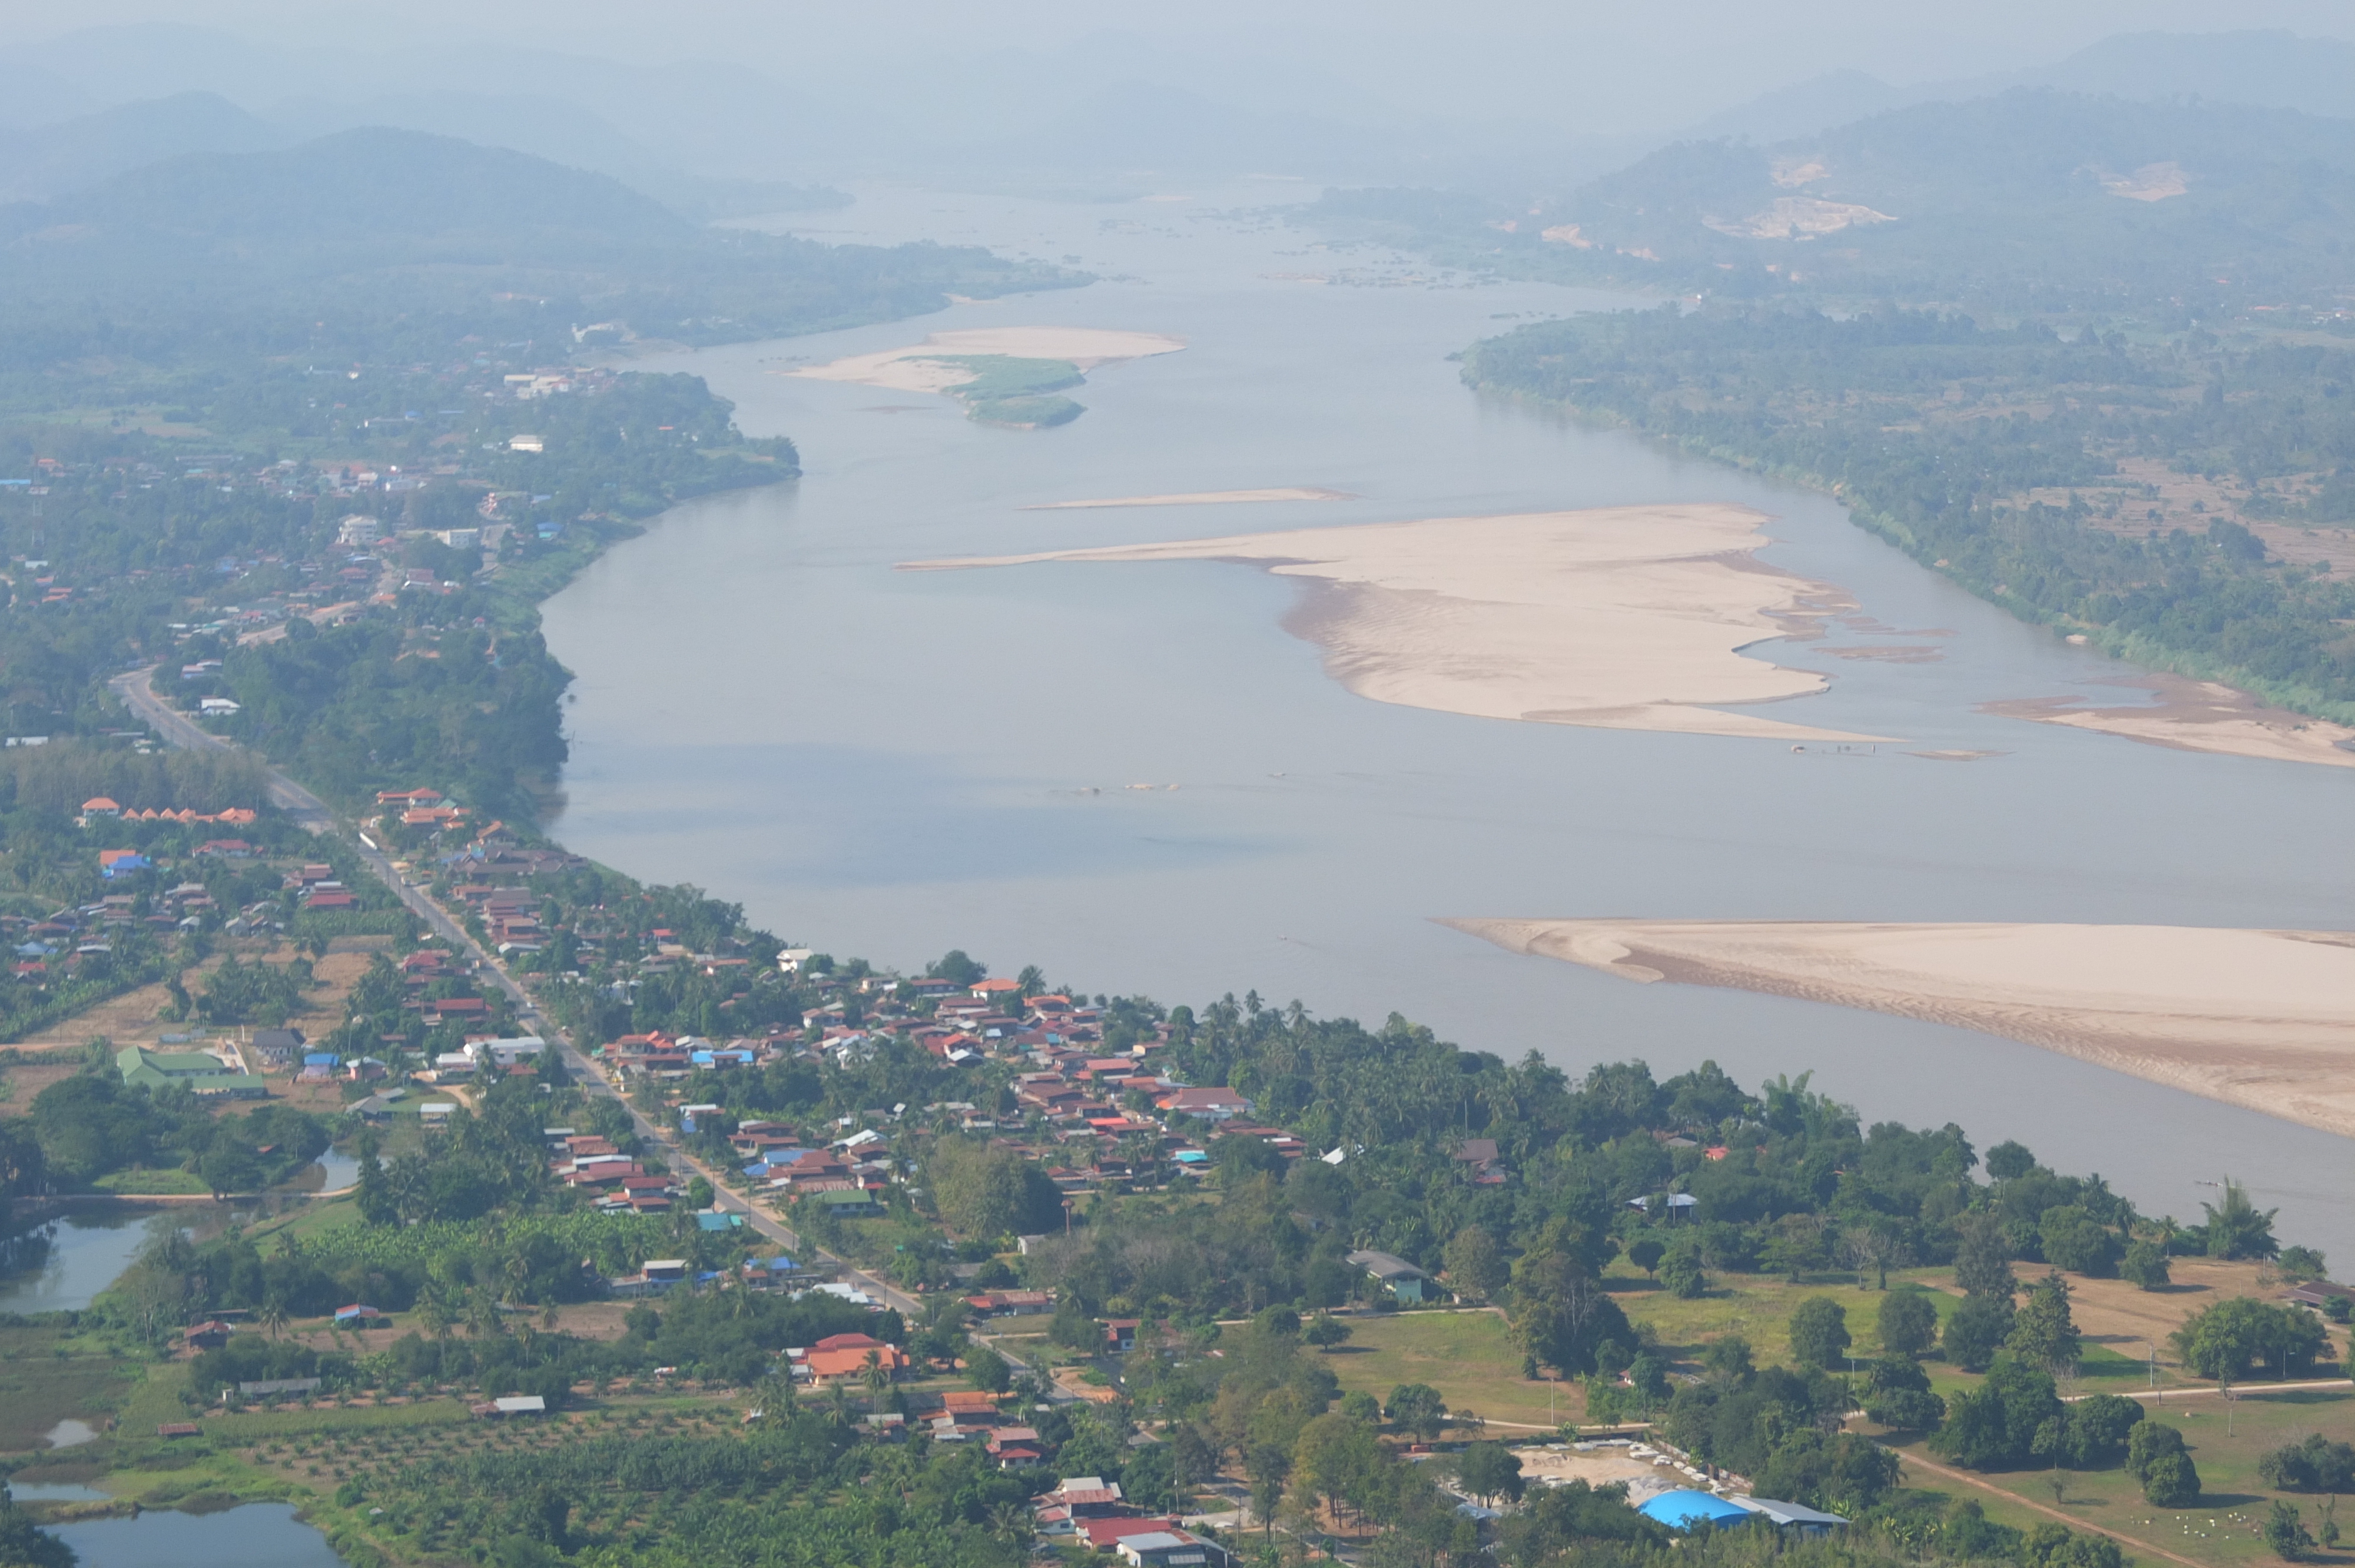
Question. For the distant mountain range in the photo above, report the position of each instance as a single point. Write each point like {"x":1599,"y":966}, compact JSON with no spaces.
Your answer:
{"x":379,"y":244}
{"x":1105,"y":113}
{"x":2269,"y":70}
{"x":2035,"y":199}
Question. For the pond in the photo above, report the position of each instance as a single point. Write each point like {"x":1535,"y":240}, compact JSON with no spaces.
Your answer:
{"x":63,"y":1263}
{"x":256,"y":1536}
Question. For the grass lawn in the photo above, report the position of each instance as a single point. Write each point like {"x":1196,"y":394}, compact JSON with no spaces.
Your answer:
{"x":1758,"y":1307}
{"x":148,"y":1182}
{"x":1467,"y":1356}
{"x":2222,"y":1528}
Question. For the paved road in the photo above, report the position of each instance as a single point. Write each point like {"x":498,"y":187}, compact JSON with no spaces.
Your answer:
{"x":137,"y":690}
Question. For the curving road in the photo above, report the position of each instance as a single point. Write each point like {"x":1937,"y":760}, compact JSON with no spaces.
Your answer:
{"x":137,"y":690}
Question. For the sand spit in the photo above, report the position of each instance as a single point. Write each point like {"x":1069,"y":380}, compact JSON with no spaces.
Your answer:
{"x":2198,"y":716}
{"x":1616,"y":618}
{"x":1198,"y":498}
{"x":2260,"y":1019}
{"x":919,"y":368}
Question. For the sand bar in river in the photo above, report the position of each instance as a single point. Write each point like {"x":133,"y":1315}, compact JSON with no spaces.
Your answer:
{"x":920,"y":367}
{"x":2255,"y":1018}
{"x":2198,"y":715}
{"x":1614,"y":618}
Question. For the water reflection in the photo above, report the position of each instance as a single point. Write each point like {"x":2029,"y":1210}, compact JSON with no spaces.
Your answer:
{"x":61,"y":1265}
{"x":257,"y":1535}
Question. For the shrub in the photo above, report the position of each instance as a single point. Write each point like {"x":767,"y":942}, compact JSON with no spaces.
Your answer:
{"x":2146,"y":1265}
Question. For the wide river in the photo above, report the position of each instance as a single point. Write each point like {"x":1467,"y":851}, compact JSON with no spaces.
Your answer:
{"x":892,"y":763}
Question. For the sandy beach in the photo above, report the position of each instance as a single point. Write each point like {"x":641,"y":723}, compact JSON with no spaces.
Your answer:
{"x":1198,"y":498}
{"x":919,"y":367}
{"x":1614,"y":618}
{"x":2198,"y":715}
{"x":2255,"y":1018}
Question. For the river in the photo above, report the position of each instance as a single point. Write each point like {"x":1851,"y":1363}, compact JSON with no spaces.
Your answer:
{"x":890,"y":764}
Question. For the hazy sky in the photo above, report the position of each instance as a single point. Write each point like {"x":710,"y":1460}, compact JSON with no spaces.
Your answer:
{"x":1595,"y":63}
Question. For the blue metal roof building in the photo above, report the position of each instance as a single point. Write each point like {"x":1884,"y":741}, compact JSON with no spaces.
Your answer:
{"x":1690,"y":1509}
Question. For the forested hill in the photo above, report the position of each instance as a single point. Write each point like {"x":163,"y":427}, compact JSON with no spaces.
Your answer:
{"x":2035,"y":200}
{"x":377,"y":244}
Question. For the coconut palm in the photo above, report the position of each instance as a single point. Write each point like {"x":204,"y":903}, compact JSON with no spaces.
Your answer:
{"x":274,"y":1317}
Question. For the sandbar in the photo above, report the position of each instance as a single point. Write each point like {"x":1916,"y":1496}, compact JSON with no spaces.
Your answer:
{"x":920,"y":368}
{"x":2198,"y":715}
{"x":2262,"y":1019}
{"x":1198,"y":498}
{"x":1612,"y":617}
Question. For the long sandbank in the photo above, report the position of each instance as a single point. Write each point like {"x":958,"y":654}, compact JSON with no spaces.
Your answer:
{"x":2262,"y":1019}
{"x":1614,"y":618}
{"x":923,"y":367}
{"x":2198,"y":715}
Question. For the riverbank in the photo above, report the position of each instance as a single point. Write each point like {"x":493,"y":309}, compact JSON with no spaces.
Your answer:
{"x":1610,"y":618}
{"x":2253,"y":1018}
{"x":2198,"y":715}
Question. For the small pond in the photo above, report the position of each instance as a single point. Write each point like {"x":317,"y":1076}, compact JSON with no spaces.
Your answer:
{"x":256,"y":1535}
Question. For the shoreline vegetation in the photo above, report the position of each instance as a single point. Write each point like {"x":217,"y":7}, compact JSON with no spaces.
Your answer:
{"x":2070,"y":482}
{"x":1548,"y":618}
{"x":2253,"y":1018}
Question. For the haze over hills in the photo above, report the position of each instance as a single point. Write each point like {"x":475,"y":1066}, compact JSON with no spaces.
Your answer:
{"x":1109,"y":110}
{"x":2271,"y":69}
{"x":2034,"y":200}
{"x":376,"y":241}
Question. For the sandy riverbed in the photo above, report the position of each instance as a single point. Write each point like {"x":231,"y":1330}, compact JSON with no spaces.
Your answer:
{"x":1198,"y":498}
{"x":2261,"y":1018}
{"x":919,"y":367}
{"x":2198,"y":716}
{"x":1614,"y":618}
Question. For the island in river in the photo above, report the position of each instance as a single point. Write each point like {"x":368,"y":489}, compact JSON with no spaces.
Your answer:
{"x":1614,"y":617}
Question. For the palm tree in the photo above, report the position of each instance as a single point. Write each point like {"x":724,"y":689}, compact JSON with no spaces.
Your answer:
{"x":877,"y":1377}
{"x":273,"y":1316}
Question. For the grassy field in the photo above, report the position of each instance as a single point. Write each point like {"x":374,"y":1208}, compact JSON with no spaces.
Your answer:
{"x":1467,"y":1356}
{"x":1758,"y":1307}
{"x":44,"y":1380}
{"x":2222,"y":1528}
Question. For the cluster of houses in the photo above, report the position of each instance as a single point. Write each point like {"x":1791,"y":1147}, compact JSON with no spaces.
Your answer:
{"x":1090,"y":1509}
{"x":101,"y":808}
{"x":615,"y":1181}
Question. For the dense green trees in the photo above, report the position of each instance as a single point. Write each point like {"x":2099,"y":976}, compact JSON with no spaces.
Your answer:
{"x":1906,"y":1322}
{"x":2230,"y":1338}
{"x":1936,"y":431}
{"x":2156,"y":1456}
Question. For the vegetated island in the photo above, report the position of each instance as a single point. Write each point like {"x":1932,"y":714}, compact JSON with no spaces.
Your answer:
{"x":1612,"y":617}
{"x":1004,"y":376}
{"x":2261,"y":1018}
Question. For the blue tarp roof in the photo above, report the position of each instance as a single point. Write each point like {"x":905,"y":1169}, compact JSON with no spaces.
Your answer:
{"x":1683,"y":1510}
